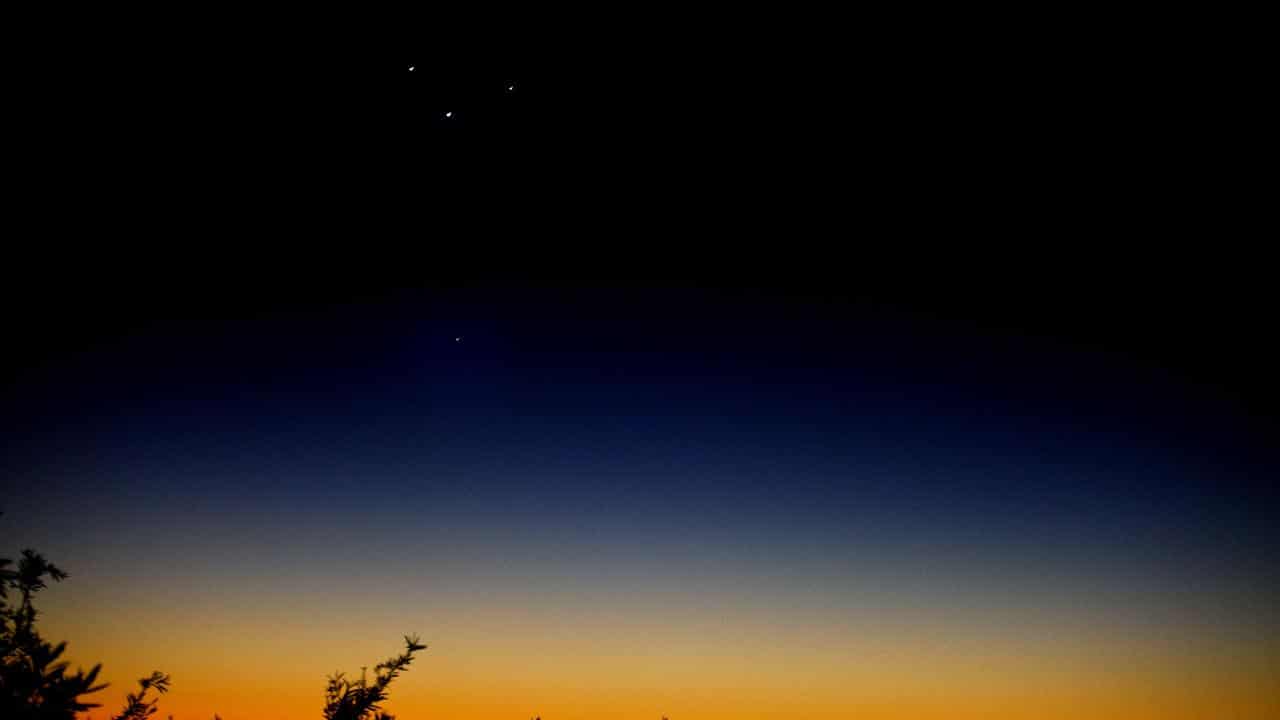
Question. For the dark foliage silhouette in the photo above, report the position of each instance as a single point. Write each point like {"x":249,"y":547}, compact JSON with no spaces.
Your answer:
{"x":362,"y":700}
{"x":137,"y":706}
{"x":34,"y":681}
{"x":36,"y":685}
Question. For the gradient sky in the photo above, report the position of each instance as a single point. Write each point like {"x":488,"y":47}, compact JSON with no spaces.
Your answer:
{"x":616,"y":504}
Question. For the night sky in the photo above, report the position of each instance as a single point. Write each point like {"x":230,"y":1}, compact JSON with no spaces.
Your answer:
{"x":800,"y":379}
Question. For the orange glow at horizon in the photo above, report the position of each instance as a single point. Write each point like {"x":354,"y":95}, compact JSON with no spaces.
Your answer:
{"x":630,"y":662}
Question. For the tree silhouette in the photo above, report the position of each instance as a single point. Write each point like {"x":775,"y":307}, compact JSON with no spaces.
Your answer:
{"x":136,"y":706}
{"x":361,"y":700}
{"x":34,"y":682}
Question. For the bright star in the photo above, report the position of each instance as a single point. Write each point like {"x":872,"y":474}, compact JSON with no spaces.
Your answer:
{"x":449,"y":114}
{"x":410,"y":68}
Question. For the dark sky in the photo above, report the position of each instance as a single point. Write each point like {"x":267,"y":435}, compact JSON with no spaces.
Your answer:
{"x":1026,"y":177}
{"x":736,"y":307}
{"x":665,"y":374}
{"x":976,"y":184}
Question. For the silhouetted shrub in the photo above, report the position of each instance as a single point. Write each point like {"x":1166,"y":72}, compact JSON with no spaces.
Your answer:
{"x":361,"y":700}
{"x":35,"y":684}
{"x":136,"y":706}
